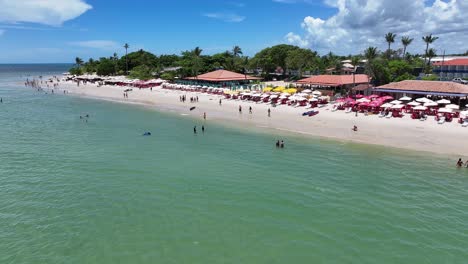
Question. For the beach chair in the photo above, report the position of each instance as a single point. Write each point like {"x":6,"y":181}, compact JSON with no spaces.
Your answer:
{"x":382,"y":115}
{"x":335,"y":107}
{"x":465,"y":124}
{"x":348,"y":110}
{"x":389,"y":115}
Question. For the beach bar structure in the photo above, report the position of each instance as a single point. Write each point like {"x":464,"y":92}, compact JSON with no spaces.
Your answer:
{"x":222,"y":79}
{"x":334,"y":83}
{"x":448,"y":70}
{"x":415,"y":88}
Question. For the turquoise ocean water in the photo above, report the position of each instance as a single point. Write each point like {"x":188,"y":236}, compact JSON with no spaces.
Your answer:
{"x":99,"y":192}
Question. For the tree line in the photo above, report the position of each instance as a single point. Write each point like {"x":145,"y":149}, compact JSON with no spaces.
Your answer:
{"x":284,"y":61}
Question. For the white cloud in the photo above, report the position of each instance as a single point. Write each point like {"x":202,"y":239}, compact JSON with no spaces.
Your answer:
{"x":227,"y":17}
{"x":47,"y":12}
{"x":358,"y":24}
{"x":97,"y":44}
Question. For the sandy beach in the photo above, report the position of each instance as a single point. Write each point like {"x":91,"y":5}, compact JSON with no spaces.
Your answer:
{"x":404,"y":133}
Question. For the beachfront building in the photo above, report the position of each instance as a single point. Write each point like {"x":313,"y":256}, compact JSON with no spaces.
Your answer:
{"x":456,"y":92}
{"x":223,"y":79}
{"x":448,"y":70}
{"x":334,"y":84}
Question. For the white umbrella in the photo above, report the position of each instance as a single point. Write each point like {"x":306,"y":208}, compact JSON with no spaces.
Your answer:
{"x":313,"y":100}
{"x":387,"y":105}
{"x":274,"y":96}
{"x":283,"y":97}
{"x":420,"y":108}
{"x":307,"y":91}
{"x":405,"y":98}
{"x":414,"y":103}
{"x":443,"y":101}
{"x":452,"y":106}
{"x":464,"y":113}
{"x":445,"y":110}
{"x":430,"y":104}
{"x":285,"y":94}
{"x":396,"y":102}
{"x":397,"y":106}
{"x":423,"y":100}
{"x":316,"y":93}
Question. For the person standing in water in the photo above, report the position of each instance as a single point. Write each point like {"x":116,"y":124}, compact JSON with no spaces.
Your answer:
{"x":195,"y":129}
{"x":269,"y":112}
{"x":203,"y":129}
{"x":459,"y":163}
{"x":277,"y":144}
{"x":1,"y":100}
{"x":204,"y":115}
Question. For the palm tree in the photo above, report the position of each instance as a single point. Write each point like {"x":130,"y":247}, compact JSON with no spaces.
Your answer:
{"x":196,"y":53}
{"x":390,"y":38}
{"x":126,"y":46}
{"x":370,"y":54}
{"x":78,"y":62}
{"x":431,"y":53}
{"x":406,"y":41}
{"x":115,"y":58}
{"x":355,"y":60}
{"x":428,"y":40}
{"x":236,"y":51}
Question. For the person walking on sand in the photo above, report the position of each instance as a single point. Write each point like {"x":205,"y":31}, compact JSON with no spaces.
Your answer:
{"x":250,"y":110}
{"x":220,"y":102}
{"x":204,"y":115}
{"x":269,"y":112}
{"x":240,"y":109}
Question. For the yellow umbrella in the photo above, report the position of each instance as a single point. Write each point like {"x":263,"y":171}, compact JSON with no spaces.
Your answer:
{"x":291,"y":91}
{"x":279,"y":89}
{"x":268,"y":89}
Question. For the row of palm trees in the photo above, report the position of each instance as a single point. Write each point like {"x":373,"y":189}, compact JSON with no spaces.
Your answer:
{"x":406,"y":41}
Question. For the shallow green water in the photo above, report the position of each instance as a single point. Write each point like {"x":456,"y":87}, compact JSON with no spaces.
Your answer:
{"x":99,"y":192}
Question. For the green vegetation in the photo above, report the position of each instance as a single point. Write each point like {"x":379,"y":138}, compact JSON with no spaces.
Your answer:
{"x":280,"y":61}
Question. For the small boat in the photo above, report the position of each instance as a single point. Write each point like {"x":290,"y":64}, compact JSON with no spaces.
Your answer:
{"x":192,"y":108}
{"x":310,"y":113}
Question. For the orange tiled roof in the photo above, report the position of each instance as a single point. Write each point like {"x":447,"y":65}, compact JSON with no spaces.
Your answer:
{"x":222,"y":76}
{"x":455,"y":62}
{"x":427,"y":86}
{"x":335,"y":80}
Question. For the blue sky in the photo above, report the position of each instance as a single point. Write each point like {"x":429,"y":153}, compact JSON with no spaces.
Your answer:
{"x":60,"y":30}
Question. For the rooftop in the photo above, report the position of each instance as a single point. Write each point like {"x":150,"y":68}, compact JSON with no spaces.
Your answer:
{"x":455,"y":62}
{"x":222,"y":76}
{"x":426,"y":87}
{"x":335,"y":80}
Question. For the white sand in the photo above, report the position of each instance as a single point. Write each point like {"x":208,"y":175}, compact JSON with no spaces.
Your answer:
{"x":405,"y":133}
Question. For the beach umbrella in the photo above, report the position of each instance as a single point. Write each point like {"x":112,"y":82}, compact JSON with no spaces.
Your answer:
{"x":316,"y":93}
{"x":388,"y":97}
{"x":307,"y":91}
{"x":396,"y":102}
{"x":313,"y":100}
{"x":268,"y":89}
{"x":414,"y":103}
{"x":274,"y":96}
{"x":464,"y":113}
{"x":423,"y":100}
{"x":452,"y":106}
{"x":398,"y":106}
{"x":386,"y":105}
{"x":443,"y":101}
{"x":405,"y":98}
{"x":373,"y":96}
{"x":420,"y":108}
{"x":445,"y":110}
{"x":430,"y":104}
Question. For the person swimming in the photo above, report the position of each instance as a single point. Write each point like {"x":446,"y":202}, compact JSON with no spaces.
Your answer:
{"x":147,"y":134}
{"x":277,"y":143}
{"x":460,"y":163}
{"x":203,"y":129}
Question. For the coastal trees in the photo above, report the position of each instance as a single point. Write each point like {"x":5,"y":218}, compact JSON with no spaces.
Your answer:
{"x":430,"y":54}
{"x":236,"y":51}
{"x":429,"y":39}
{"x":141,"y":72}
{"x":106,"y":67}
{"x":405,"y":41}
{"x":298,"y":59}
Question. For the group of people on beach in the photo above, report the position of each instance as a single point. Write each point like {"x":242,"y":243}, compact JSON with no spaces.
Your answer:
{"x":460,"y":163}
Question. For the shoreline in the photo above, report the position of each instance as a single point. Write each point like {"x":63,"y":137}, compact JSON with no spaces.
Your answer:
{"x":403,"y":134}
